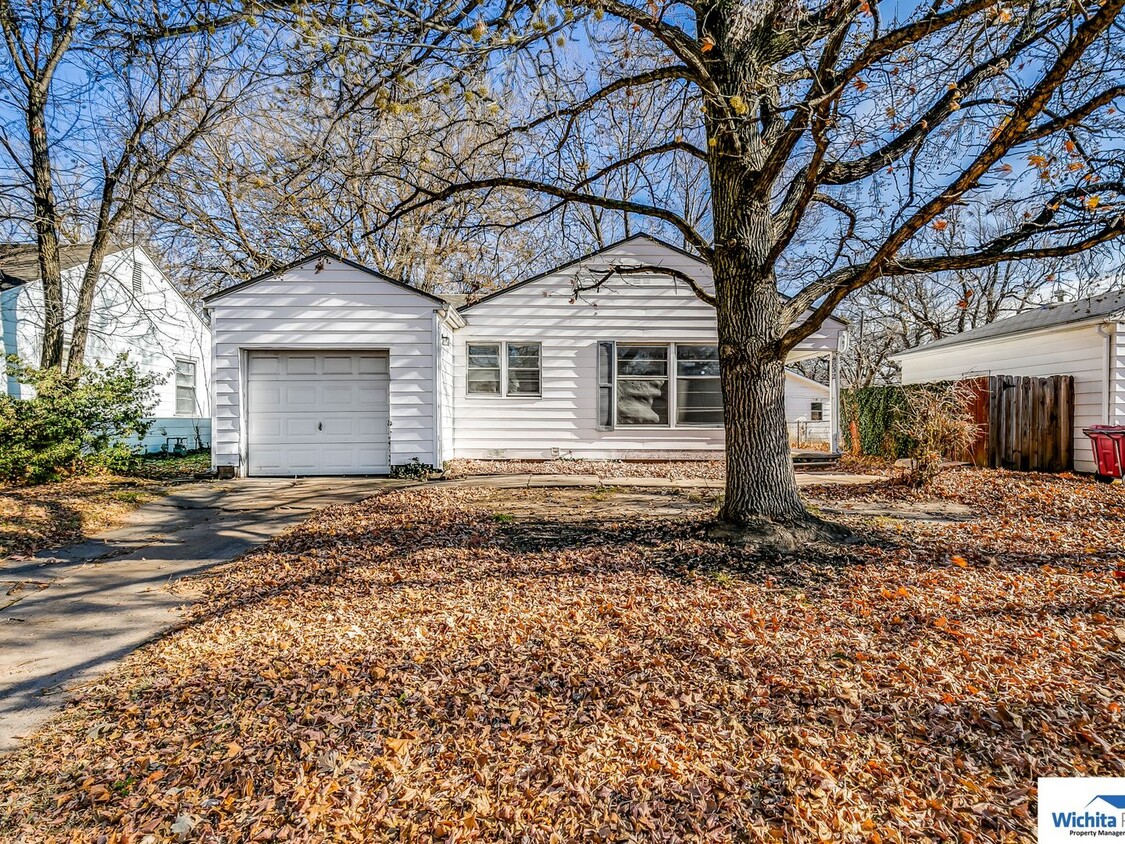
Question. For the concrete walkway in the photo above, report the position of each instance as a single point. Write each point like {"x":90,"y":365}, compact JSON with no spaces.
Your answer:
{"x":67,"y":616}
{"x":531,"y":481}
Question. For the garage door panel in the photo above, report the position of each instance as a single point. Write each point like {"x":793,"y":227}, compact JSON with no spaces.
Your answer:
{"x":317,"y":413}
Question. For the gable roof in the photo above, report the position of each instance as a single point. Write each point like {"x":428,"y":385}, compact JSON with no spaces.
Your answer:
{"x":471,"y":303}
{"x":1046,"y":316}
{"x":19,"y":262}
{"x":324,"y":253}
{"x":540,"y":276}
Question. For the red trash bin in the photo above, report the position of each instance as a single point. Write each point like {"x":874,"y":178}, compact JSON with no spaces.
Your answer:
{"x":1108,"y":442}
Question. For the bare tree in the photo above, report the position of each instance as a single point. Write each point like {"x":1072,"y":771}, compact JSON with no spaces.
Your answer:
{"x":272,"y":185}
{"x":831,"y":136}
{"x":120,"y":116}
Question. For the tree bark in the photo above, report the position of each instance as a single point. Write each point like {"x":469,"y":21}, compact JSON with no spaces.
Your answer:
{"x":46,"y":230}
{"x":760,"y":484}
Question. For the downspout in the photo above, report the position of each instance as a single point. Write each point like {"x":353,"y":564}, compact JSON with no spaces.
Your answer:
{"x":1107,"y":369}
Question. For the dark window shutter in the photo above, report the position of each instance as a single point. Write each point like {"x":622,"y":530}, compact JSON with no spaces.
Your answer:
{"x":605,"y":386}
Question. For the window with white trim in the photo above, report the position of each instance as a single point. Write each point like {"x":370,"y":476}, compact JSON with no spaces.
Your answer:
{"x":504,"y":369}
{"x":699,"y":391}
{"x":658,"y":384}
{"x":185,"y":387}
{"x":816,"y":411}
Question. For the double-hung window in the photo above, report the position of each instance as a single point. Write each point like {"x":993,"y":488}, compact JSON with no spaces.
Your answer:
{"x":185,"y":387}
{"x":699,"y":392}
{"x":658,"y":384}
{"x":816,"y":411}
{"x":504,"y":369}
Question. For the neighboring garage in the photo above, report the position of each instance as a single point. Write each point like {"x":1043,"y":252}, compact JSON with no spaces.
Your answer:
{"x":326,"y":368}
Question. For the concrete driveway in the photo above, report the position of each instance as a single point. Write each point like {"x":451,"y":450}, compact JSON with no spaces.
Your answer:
{"x":67,"y":615}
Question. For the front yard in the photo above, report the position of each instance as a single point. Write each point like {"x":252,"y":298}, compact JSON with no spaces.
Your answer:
{"x":578,"y":665}
{"x":53,"y":514}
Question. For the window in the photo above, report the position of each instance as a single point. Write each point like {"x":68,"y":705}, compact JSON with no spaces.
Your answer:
{"x":642,"y":385}
{"x":484,"y":368}
{"x":699,"y":392}
{"x":185,"y":387}
{"x":658,"y":384}
{"x":816,"y":411}
{"x":510,"y":369}
{"x":523,"y":369}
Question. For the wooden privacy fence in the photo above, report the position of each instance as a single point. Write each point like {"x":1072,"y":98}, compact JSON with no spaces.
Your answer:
{"x":1025,"y":423}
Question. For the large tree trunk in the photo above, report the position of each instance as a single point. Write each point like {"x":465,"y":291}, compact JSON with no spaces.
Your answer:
{"x":760,"y":485}
{"x":46,"y":231}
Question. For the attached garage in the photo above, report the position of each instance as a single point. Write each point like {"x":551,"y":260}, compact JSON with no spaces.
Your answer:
{"x":318,"y":413}
{"x":326,"y":368}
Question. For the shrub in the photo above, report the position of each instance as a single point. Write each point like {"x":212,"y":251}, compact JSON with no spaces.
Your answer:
{"x":72,"y":422}
{"x":939,"y":424}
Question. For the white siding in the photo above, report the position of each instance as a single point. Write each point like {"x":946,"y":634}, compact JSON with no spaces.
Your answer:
{"x":1069,"y":350}
{"x":153,"y":328}
{"x":800,"y":393}
{"x":445,"y":392}
{"x":1117,"y":370}
{"x":339,"y":307}
{"x":562,"y":422}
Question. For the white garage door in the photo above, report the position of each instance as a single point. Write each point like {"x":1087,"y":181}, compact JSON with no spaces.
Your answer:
{"x":318,"y":413}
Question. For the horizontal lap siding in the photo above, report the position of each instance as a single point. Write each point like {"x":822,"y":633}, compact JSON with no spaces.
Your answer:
{"x":338,"y":308}
{"x":563,"y":422}
{"x":1073,"y":351}
{"x":1117,"y":369}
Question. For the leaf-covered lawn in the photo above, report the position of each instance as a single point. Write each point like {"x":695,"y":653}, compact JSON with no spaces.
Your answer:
{"x":534,"y":665}
{"x":54,"y":514}
{"x":34,"y":517}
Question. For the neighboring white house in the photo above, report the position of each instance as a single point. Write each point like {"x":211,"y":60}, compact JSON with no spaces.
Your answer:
{"x":327,"y":367}
{"x":137,"y":311}
{"x":1085,"y":339}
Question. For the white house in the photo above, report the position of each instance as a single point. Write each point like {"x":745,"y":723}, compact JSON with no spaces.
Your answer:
{"x":1085,"y":339}
{"x":327,"y":367}
{"x":137,"y":311}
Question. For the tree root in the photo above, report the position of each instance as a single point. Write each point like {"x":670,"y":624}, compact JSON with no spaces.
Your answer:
{"x":789,"y":536}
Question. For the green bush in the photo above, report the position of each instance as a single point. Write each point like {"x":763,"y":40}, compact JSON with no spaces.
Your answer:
{"x":73,"y":422}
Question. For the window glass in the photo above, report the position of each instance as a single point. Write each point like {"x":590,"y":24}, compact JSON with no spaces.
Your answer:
{"x":642,"y":385}
{"x":816,"y":411}
{"x":699,"y":392}
{"x":185,"y":387}
{"x":605,"y":386}
{"x":523,"y":369}
{"x":483,"y":372}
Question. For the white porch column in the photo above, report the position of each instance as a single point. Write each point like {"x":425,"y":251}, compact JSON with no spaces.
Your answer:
{"x":834,"y":402}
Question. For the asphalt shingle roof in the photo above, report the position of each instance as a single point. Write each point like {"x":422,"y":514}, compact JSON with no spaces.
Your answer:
{"x":19,"y":262}
{"x":1045,"y":316}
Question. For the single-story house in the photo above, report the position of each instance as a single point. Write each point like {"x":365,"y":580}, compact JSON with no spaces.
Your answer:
{"x":137,"y":310}
{"x":1085,"y":339}
{"x":328,"y":367}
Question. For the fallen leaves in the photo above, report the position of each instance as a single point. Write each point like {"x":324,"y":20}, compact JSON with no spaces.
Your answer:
{"x":412,"y":668}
